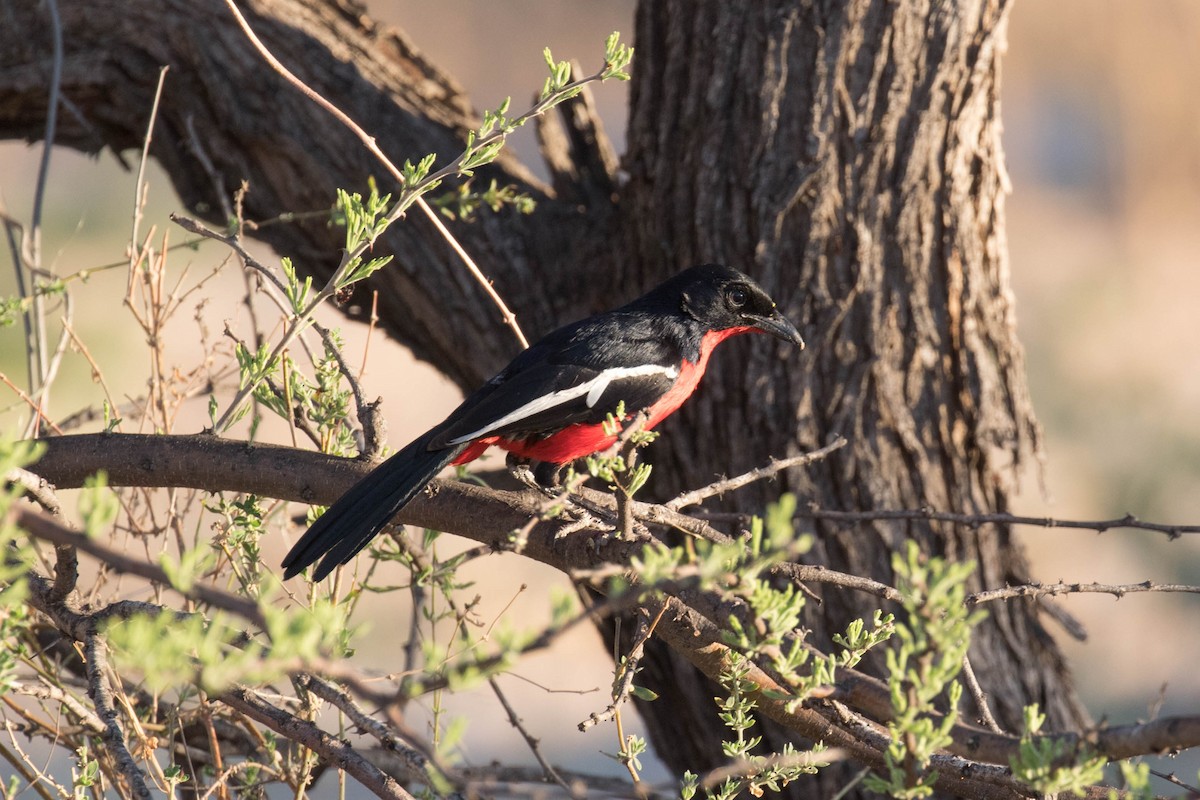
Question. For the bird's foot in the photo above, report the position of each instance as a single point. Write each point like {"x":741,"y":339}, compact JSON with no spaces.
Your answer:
{"x":539,"y":476}
{"x":521,"y":471}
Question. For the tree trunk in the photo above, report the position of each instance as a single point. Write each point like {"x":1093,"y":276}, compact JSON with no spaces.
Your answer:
{"x":846,"y":154}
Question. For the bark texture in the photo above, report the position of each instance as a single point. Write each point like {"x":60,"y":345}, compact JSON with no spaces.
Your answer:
{"x":846,"y":154}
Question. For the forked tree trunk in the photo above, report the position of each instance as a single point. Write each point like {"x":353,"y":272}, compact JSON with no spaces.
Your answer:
{"x":846,"y":154}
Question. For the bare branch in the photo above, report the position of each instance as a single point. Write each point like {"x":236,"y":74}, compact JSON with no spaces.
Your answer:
{"x":47,"y":691}
{"x":96,"y":654}
{"x":981,"y":703}
{"x":415,"y":763}
{"x":1173,"y":778}
{"x":775,"y":467}
{"x":815,"y":573}
{"x":47,"y":529}
{"x":1045,"y":589}
{"x":629,"y":671}
{"x":532,"y":742}
{"x":975,"y":520}
{"x":338,"y":753}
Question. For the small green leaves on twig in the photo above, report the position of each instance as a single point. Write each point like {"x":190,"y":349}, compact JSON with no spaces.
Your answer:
{"x":171,"y":649}
{"x":555,"y":87}
{"x":463,"y":202}
{"x":923,"y":666}
{"x":365,"y":220}
{"x":618,"y":466}
{"x":617,"y":58}
{"x":763,"y":773}
{"x":486,"y":142}
{"x":1054,"y":766}
{"x":414,"y":174}
{"x":296,"y":290}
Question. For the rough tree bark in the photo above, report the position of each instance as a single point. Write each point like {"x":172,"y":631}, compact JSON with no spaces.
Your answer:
{"x":844,"y":153}
{"x":850,"y":154}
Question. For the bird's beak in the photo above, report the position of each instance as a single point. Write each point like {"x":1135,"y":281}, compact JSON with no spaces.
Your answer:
{"x":778,"y":326}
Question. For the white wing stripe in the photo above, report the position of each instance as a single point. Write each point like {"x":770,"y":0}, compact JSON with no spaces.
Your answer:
{"x":593,"y":389}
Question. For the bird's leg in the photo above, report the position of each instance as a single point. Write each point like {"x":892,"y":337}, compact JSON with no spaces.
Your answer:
{"x":548,"y":475}
{"x":519,"y":468}
{"x":546,"y":478}
{"x":541,"y":475}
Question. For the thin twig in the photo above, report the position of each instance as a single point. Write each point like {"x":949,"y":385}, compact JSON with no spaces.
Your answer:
{"x":776,"y":466}
{"x":139,"y":185}
{"x":815,"y":573}
{"x":1172,"y":778}
{"x":14,"y":233}
{"x":411,"y":687}
{"x":372,"y":323}
{"x":34,"y":406}
{"x":219,"y":783}
{"x":34,"y":241}
{"x":416,"y":760}
{"x":981,"y":703}
{"x":60,"y":350}
{"x":813,"y":511}
{"x":201,"y":155}
{"x":48,"y":691}
{"x":25,"y":766}
{"x":97,"y":373}
{"x":369,"y":142}
{"x":532,"y":742}
{"x":628,"y":671}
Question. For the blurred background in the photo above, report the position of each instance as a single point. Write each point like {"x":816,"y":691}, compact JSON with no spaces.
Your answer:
{"x":1102,"y":135}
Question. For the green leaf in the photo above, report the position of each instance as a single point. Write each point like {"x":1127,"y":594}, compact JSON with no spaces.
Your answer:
{"x":642,"y":693}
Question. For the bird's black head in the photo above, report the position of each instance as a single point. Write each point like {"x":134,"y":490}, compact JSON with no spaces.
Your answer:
{"x":721,"y":298}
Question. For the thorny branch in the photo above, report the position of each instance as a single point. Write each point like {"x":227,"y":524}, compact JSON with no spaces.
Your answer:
{"x":771,"y":470}
{"x":813,"y":511}
{"x":1046,"y":589}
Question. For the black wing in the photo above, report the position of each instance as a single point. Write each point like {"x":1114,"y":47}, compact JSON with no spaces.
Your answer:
{"x":577,"y":374}
{"x":549,"y":397}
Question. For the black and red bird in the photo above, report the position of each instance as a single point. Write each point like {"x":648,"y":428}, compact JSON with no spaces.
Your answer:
{"x":550,"y":404}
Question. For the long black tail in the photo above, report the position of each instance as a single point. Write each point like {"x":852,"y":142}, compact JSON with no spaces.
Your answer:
{"x":359,"y":514}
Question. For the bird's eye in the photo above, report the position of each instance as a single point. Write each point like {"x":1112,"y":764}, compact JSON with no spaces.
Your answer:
{"x":737,"y":297}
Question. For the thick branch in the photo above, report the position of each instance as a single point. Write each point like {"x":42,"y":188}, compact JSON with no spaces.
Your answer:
{"x":488,"y":516}
{"x":222,"y":101}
